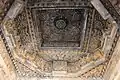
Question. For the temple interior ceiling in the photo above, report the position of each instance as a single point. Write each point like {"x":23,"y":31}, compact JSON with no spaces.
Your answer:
{"x":59,"y":38}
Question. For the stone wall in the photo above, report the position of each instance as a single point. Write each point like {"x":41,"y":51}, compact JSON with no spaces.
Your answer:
{"x":7,"y":71}
{"x":113,"y":70}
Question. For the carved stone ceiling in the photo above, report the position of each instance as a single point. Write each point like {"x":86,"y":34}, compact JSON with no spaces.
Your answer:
{"x":57,"y":38}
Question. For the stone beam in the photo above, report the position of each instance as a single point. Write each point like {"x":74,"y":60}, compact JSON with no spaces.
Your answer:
{"x":112,"y":11}
{"x":113,"y":66}
{"x":7,"y":70}
{"x":11,"y":14}
{"x":15,"y":9}
{"x":100,"y":8}
{"x":86,"y":68}
{"x":109,"y":39}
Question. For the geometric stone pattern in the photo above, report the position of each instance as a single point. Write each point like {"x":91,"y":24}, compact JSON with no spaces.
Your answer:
{"x":7,"y":71}
{"x":59,"y":65}
{"x":37,"y":53}
{"x":56,"y":3}
{"x":73,"y":64}
{"x":55,"y":37}
{"x":116,"y":4}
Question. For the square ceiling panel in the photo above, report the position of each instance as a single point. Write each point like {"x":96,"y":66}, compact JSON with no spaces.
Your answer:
{"x":61,"y":27}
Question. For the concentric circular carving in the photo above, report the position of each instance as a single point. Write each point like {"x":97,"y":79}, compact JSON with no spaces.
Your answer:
{"x":60,"y":22}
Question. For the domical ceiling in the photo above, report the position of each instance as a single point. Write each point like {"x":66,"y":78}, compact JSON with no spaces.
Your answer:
{"x":60,"y":38}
